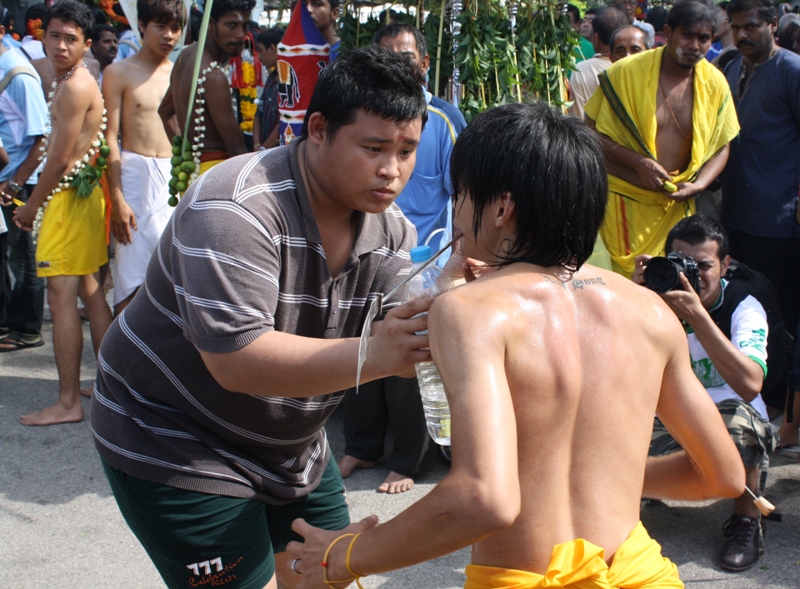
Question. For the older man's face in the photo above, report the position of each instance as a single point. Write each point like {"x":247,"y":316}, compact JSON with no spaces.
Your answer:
{"x":628,"y":41}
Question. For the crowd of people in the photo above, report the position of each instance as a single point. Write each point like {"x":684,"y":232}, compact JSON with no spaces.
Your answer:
{"x":236,"y":314}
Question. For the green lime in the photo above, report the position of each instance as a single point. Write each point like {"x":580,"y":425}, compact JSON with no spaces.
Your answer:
{"x":173,"y":190}
{"x":105,"y":151}
{"x":183,"y":177}
{"x":188,"y":167}
{"x":175,"y":170}
{"x":172,"y":182}
{"x":176,"y":160}
{"x":187,"y":156}
{"x":181,"y":186}
{"x":173,"y":201}
{"x":101,"y":162}
{"x":177,"y":140}
{"x":176,"y":150}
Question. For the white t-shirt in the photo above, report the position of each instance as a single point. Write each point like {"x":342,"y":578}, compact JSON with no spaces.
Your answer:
{"x":749,"y":331}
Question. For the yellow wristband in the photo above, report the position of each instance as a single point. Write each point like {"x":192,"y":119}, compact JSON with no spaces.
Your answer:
{"x":347,"y":561}
{"x":324,"y":563}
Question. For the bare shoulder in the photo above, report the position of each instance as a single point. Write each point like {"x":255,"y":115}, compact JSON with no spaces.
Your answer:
{"x":81,"y":90}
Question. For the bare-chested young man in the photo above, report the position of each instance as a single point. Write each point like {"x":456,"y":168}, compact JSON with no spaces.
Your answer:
{"x":71,"y":228}
{"x":139,"y":162}
{"x":222,"y":136}
{"x":553,"y":370}
{"x":666,"y":118}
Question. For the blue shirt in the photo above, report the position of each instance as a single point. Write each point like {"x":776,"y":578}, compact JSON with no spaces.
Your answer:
{"x":23,"y":113}
{"x":761,"y":180}
{"x":426,"y":198}
{"x":714,"y":50}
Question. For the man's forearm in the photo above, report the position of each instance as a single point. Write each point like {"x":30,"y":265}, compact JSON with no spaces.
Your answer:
{"x":712,"y":168}
{"x":676,"y":477}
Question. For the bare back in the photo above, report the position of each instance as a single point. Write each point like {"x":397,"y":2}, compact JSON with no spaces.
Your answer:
{"x":141,"y":84}
{"x":584,"y":369}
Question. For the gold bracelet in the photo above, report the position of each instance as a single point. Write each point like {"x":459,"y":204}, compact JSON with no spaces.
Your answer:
{"x":347,"y":562}
{"x":324,"y":563}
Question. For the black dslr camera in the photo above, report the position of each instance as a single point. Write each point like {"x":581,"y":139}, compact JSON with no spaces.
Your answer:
{"x":662,"y":274}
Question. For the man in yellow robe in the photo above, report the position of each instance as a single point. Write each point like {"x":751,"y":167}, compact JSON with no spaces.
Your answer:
{"x":665,"y":118}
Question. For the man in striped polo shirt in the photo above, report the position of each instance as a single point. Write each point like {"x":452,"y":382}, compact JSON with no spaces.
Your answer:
{"x":215,"y":382}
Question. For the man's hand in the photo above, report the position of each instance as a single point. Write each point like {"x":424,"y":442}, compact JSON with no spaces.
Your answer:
{"x":5,"y":198}
{"x":395,"y":347}
{"x":641,"y":263}
{"x":122,"y":221}
{"x":652,"y":174}
{"x":310,"y":554}
{"x":24,"y":216}
{"x":686,"y":190}
{"x":684,"y":303}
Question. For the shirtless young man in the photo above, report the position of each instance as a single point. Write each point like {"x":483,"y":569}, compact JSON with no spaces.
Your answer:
{"x":664,"y":115}
{"x":552,"y":389}
{"x":222,"y":136}
{"x":71,"y":234}
{"x":138,"y":176}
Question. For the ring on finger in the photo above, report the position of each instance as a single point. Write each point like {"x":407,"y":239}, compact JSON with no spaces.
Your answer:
{"x":294,"y":567}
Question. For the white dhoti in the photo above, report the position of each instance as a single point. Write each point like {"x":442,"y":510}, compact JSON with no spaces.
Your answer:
{"x":145,"y":188}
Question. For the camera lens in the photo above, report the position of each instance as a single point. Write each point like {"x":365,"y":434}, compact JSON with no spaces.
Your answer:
{"x":661,"y":275}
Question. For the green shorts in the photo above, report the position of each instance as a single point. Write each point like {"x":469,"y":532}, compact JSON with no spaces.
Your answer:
{"x":755,"y":438}
{"x":195,"y":539}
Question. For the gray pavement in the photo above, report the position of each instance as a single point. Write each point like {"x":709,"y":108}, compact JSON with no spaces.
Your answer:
{"x":60,"y":527}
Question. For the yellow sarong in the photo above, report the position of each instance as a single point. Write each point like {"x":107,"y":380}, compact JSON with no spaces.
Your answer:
{"x":579,"y":564}
{"x":206,"y":166}
{"x":72,"y":239}
{"x":637,"y":220}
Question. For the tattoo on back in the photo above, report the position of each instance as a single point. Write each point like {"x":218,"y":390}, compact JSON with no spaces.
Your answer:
{"x":576,"y":283}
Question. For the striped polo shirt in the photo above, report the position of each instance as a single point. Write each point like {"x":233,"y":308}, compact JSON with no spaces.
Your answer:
{"x":242,"y":256}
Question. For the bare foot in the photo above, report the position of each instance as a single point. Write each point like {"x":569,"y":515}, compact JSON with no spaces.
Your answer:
{"x":395,"y":483}
{"x":349,"y":463}
{"x":87,"y":392}
{"x":54,"y":414}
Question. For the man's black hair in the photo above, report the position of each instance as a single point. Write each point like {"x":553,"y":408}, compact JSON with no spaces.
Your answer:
{"x":73,"y":12}
{"x":36,"y":11}
{"x":395,"y":29}
{"x":162,"y":12}
{"x":788,"y":36}
{"x":269,"y":38}
{"x":574,"y":11}
{"x":723,"y":5}
{"x":625,"y":28}
{"x":657,"y":16}
{"x":221,"y":7}
{"x":693,"y":12}
{"x":767,"y":9}
{"x":195,"y":22}
{"x":607,"y":21}
{"x":551,"y":164}
{"x":698,"y":229}
{"x":378,"y":81}
{"x":592,"y":10}
{"x":98,"y":30}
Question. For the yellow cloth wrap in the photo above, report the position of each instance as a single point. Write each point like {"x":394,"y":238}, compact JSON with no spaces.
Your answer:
{"x":579,"y":564}
{"x":72,"y":239}
{"x":206,"y":166}
{"x":638,"y":220}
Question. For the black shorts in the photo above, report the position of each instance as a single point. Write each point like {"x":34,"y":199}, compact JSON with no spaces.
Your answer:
{"x":196,"y":539}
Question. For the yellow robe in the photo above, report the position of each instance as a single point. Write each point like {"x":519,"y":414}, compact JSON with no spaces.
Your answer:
{"x":579,"y":564}
{"x":638,"y":220}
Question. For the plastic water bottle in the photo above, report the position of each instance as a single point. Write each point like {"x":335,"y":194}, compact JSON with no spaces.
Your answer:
{"x":430,"y":283}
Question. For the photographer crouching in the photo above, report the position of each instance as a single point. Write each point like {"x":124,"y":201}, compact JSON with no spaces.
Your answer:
{"x":727,"y":330}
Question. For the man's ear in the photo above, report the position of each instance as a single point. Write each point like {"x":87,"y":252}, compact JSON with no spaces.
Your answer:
{"x":505,"y":213}
{"x":141,"y":28}
{"x":667,"y":31}
{"x":317,"y":129}
{"x":723,"y":265}
{"x":426,"y":63}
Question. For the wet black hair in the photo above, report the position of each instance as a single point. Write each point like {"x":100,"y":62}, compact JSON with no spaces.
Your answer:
{"x":607,"y":21}
{"x":162,"y":12}
{"x":378,"y":81}
{"x":698,"y":229}
{"x":74,"y":12}
{"x":767,"y":9}
{"x":395,"y":29}
{"x":551,"y":164}
{"x":98,"y":30}
{"x":692,"y":12}
{"x":269,"y":37}
{"x":222,"y":7}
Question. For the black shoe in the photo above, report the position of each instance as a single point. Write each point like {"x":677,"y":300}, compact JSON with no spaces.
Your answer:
{"x":740,"y":551}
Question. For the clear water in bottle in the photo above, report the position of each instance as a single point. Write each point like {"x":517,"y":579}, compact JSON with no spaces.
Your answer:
{"x":430,"y":283}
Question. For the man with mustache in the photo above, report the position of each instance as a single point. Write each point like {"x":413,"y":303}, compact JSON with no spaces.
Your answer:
{"x":665,"y":118}
{"x":221,"y":136}
{"x":105,"y":44}
{"x":759,"y":185}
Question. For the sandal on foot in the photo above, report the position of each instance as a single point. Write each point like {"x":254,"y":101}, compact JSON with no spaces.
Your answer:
{"x":9,"y":344}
